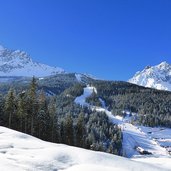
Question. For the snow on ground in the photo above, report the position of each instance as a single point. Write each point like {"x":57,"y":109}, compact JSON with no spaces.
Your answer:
{"x":134,"y":138}
{"x":78,"y":77}
{"x":113,"y":119}
{"x":161,"y":136}
{"x":163,"y":162}
{"x":103,"y":103}
{"x":87,"y":92}
{"x":21,"y":152}
{"x":81,"y":100}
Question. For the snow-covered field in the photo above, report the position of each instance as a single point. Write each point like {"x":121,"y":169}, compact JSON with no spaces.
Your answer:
{"x":21,"y":152}
{"x":161,"y":136}
{"x":134,"y":137}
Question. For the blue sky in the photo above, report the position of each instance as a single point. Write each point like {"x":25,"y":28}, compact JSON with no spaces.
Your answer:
{"x":111,"y":39}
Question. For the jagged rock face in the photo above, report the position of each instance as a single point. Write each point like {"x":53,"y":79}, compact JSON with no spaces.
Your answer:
{"x":19,"y":63}
{"x":158,"y":77}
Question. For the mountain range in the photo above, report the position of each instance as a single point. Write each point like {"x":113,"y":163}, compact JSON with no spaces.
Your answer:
{"x":19,"y":63}
{"x":14,"y":63}
{"x":158,"y":77}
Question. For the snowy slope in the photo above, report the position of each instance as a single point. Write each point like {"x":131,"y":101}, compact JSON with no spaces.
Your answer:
{"x":162,"y":136}
{"x":133,"y":136}
{"x":87,"y":92}
{"x":84,"y":78}
{"x":19,"y":63}
{"x":158,"y":77}
{"x":21,"y":152}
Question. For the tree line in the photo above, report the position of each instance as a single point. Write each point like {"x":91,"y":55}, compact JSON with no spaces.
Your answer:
{"x":57,"y":119}
{"x":151,"y":105}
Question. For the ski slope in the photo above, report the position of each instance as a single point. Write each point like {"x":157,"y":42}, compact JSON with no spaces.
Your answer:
{"x":21,"y":152}
{"x":87,"y":92}
{"x":135,"y":139}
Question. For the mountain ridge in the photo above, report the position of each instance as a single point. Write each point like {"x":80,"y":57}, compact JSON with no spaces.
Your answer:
{"x":19,"y":63}
{"x":158,"y":77}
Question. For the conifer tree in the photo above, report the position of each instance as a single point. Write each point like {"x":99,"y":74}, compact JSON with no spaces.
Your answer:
{"x":2,"y":117}
{"x":80,"y":130}
{"x":10,"y":106}
{"x":21,"y":112}
{"x":32,"y":103}
{"x":53,"y":120}
{"x":42,"y":117}
{"x":68,"y":130}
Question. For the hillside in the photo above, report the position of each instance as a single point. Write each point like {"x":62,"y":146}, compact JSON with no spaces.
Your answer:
{"x":20,"y":152}
{"x":153,"y":106}
{"x":137,"y":140}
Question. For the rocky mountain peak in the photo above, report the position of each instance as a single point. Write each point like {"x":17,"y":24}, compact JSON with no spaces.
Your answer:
{"x":19,"y":63}
{"x":158,"y":77}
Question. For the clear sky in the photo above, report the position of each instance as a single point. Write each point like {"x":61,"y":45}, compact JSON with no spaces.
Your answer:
{"x":110,"y":39}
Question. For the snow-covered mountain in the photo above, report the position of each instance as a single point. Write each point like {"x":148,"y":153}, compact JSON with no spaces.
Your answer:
{"x":19,"y":63}
{"x":19,"y":152}
{"x":158,"y":77}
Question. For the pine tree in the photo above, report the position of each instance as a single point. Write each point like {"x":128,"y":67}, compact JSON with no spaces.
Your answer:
{"x":10,"y":106}
{"x":68,"y":130}
{"x":2,"y":117}
{"x":80,"y":131}
{"x":62,"y":133}
{"x":21,"y":112}
{"x":32,"y":103}
{"x":42,"y":116}
{"x":53,"y":120}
